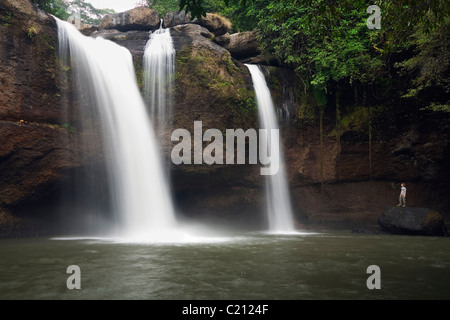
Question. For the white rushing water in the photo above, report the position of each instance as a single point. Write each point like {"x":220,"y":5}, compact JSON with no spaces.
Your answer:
{"x":279,"y":208}
{"x":103,"y":72}
{"x":159,"y":69}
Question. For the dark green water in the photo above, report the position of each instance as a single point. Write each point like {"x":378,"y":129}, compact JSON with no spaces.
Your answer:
{"x":329,"y":265}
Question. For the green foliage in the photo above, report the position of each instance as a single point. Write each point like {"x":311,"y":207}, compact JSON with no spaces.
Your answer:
{"x":430,"y":66}
{"x":246,"y":100}
{"x":320,"y":96}
{"x":331,"y":48}
{"x":437,"y":107}
{"x":321,"y":43}
{"x":31,"y":31}
{"x":195,"y":7}
{"x":63,"y":9}
{"x":5,"y":18}
{"x":243,"y":17}
{"x":242,"y":13}
{"x":402,"y":17}
{"x":58,"y":8}
{"x":200,"y":71}
{"x":163,"y":6}
{"x":88,"y":13}
{"x":68,"y":127}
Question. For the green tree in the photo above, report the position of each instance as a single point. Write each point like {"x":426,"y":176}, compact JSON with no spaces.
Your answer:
{"x":321,"y":101}
{"x":88,"y":13}
{"x":329,"y":47}
{"x":164,"y":6}
{"x":243,"y":17}
{"x":430,"y":67}
{"x":63,"y":9}
{"x":58,"y":8}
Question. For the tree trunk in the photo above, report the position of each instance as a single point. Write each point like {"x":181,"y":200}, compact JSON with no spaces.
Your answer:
{"x":321,"y":111}
{"x":370,"y":135}
{"x":338,"y":135}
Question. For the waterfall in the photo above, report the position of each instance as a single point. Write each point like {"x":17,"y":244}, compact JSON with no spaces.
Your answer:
{"x":103,"y":76}
{"x":159,"y":68}
{"x":279,"y":209}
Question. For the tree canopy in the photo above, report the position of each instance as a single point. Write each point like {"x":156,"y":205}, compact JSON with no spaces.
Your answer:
{"x":63,"y":9}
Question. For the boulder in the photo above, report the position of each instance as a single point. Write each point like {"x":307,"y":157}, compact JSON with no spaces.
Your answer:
{"x":88,"y":29}
{"x":176,"y":18}
{"x":222,"y":40}
{"x":215,"y":23}
{"x":259,"y":59}
{"x":191,"y":35}
{"x":243,"y":45}
{"x":413,"y":221}
{"x":133,"y":40}
{"x":141,"y":18}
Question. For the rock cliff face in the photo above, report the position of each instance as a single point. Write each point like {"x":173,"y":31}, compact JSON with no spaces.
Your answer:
{"x":26,"y":41}
{"x":39,"y":146}
{"x":415,"y":156}
{"x":213,"y":88}
{"x":36,"y":145}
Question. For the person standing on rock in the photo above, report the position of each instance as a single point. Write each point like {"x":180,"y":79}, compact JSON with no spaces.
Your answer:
{"x":402,"y":197}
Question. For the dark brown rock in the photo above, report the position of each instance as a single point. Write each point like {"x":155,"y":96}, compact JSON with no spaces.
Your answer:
{"x":243,"y":45}
{"x":88,"y":29}
{"x":140,"y":18}
{"x":133,"y":40}
{"x":259,"y":59}
{"x":172,"y":19}
{"x":29,"y":69}
{"x":222,"y":40}
{"x":33,"y":157}
{"x":215,"y":23}
{"x":413,"y":221}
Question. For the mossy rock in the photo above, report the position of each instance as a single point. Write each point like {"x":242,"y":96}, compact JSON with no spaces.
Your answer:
{"x":211,"y":87}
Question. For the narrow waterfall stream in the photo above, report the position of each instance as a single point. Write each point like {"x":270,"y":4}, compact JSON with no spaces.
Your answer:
{"x":279,"y":209}
{"x":159,"y":69}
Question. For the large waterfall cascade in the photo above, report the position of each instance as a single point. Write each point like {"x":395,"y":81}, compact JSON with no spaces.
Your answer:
{"x":279,"y":208}
{"x":103,"y":73}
